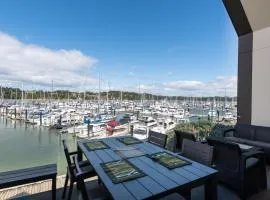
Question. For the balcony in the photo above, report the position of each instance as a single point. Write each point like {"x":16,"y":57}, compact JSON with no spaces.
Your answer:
{"x":42,"y":191}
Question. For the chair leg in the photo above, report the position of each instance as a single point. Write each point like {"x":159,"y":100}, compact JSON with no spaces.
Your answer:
{"x":65,"y":187}
{"x":99,"y":181}
{"x":54,"y":188}
{"x":186,"y":194}
{"x":70,"y":190}
{"x":263,"y":176}
{"x":242,"y":196}
{"x":210,"y":188}
{"x":83,"y":190}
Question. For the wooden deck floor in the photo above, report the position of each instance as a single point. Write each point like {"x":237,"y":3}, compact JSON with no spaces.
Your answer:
{"x":42,"y":191}
{"x":28,"y":189}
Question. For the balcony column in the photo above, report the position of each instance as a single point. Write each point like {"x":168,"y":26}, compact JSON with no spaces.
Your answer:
{"x":251,"y":22}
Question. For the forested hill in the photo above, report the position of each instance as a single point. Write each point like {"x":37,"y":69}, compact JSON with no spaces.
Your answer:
{"x":16,"y":93}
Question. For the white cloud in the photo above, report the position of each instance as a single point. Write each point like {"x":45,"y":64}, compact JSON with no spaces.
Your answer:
{"x":218,"y":86}
{"x":39,"y":65}
{"x":184,"y":85}
{"x":146,"y":87}
{"x":169,"y":89}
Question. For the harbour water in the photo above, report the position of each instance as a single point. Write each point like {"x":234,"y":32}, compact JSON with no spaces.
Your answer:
{"x":23,"y":145}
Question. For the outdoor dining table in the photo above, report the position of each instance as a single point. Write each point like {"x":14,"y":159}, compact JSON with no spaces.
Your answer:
{"x":158,"y":181}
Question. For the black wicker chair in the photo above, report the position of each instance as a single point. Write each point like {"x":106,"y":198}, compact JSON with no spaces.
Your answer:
{"x":158,"y":139}
{"x":243,"y":171}
{"x":79,"y":174}
{"x":103,"y":194}
{"x":85,"y":166}
{"x":180,"y":135}
{"x":202,"y":153}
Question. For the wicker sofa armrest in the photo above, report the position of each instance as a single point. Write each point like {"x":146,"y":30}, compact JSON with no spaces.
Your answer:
{"x":253,"y":154}
{"x":225,"y":133}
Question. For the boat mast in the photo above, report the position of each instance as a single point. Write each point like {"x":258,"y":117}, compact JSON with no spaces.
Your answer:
{"x":1,"y":94}
{"x":22,"y":97}
{"x":225,"y":98}
{"x":108,"y":93}
{"x":98,"y":91}
{"x":32,"y":93}
{"x":140,"y":92}
{"x":52,"y":90}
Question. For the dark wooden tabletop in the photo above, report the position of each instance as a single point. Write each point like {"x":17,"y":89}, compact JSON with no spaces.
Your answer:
{"x":159,"y":181}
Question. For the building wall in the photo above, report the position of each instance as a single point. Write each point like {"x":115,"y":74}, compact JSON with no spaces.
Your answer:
{"x":251,"y":20}
{"x":260,"y":112}
{"x":244,"y":87}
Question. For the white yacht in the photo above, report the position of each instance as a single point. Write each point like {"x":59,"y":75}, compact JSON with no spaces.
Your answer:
{"x":148,"y":121}
{"x":82,"y":130}
{"x":164,"y":125}
{"x":180,"y":114}
{"x":228,"y":116}
{"x":212,"y":113}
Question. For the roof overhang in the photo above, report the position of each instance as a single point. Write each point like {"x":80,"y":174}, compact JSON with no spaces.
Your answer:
{"x":248,"y":15}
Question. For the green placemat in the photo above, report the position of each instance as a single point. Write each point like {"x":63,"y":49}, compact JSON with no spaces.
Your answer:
{"x":95,"y":145}
{"x":169,"y":160}
{"x":121,"y":171}
{"x":129,"y":140}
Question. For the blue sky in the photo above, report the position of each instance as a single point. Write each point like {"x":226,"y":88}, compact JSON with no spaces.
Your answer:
{"x":165,"y":46}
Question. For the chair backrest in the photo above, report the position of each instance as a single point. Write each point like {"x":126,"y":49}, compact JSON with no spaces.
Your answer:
{"x":218,"y":130}
{"x":77,"y":166}
{"x":227,"y":155}
{"x":245,"y":131}
{"x":180,"y":135}
{"x":262,"y":134}
{"x":67,"y":153}
{"x":202,"y":153}
{"x":158,"y":139}
{"x":80,"y":178}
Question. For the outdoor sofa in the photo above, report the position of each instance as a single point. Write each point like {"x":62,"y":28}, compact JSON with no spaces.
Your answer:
{"x":257,"y":136}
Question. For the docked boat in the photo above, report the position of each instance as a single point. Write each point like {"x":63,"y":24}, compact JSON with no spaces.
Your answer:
{"x":228,"y":116}
{"x":212,"y":113}
{"x":164,"y":125}
{"x":94,"y":129}
{"x":148,"y":121}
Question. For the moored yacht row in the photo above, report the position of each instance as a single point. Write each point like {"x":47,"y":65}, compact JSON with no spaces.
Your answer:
{"x":93,"y":119}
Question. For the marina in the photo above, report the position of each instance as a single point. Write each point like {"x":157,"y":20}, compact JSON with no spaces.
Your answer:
{"x":135,"y":100}
{"x":32,"y":132}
